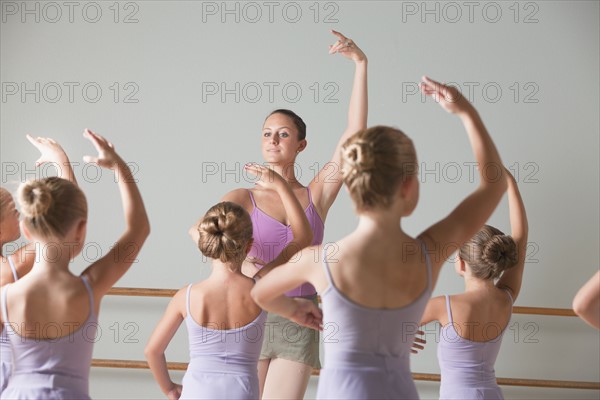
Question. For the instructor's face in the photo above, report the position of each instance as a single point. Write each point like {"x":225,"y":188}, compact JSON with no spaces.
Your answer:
{"x":280,"y":142}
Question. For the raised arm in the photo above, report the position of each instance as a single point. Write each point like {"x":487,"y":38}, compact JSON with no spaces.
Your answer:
{"x":512,"y":278}
{"x":327,"y":183}
{"x":586,"y":303}
{"x":50,"y":152}
{"x":159,"y":341}
{"x":105,"y":272}
{"x":269,"y":291}
{"x":301,"y":230}
{"x":470,"y":215}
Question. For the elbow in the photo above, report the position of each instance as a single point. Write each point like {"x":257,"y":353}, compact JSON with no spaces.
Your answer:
{"x":256,"y":295}
{"x":146,"y":230}
{"x":150,"y":352}
{"x":260,"y":296}
{"x":579,"y":306}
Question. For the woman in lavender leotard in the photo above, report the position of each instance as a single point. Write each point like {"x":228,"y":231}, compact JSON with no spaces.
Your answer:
{"x":474,"y":322}
{"x":225,"y":326}
{"x":375,"y":282}
{"x":21,"y":260}
{"x":290,"y":352}
{"x":50,"y":314}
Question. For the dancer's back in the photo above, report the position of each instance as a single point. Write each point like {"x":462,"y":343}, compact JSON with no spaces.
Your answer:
{"x":225,"y":330}
{"x":371,"y":309}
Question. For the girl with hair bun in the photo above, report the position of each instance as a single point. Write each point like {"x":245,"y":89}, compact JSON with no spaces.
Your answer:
{"x":375,"y":282}
{"x":51,"y":315}
{"x":225,"y":325}
{"x":19,"y":263}
{"x":474,"y":322}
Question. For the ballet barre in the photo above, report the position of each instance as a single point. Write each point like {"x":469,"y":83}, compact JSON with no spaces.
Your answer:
{"x":179,"y":366}
{"x":148,"y":292}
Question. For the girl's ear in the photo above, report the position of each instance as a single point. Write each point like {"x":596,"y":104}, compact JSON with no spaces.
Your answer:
{"x":302,"y":145}
{"x":81,"y":230}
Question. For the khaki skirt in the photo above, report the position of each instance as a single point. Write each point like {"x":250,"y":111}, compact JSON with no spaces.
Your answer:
{"x":285,"y":339}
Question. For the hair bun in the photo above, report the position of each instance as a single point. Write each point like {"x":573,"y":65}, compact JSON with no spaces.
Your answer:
{"x":358,"y":158}
{"x":500,"y":251}
{"x":224,"y":232}
{"x":35,"y":198}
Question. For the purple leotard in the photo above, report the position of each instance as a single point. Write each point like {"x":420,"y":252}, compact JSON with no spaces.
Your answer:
{"x":5,"y":351}
{"x":467,"y":367}
{"x":271,"y":236}
{"x":53,"y":368}
{"x":223,"y":363}
{"x":367,"y":350}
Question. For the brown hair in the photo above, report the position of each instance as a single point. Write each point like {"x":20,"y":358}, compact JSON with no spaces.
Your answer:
{"x":374,"y":162}
{"x":225,"y":232}
{"x":489,"y":253}
{"x":300,"y":125}
{"x":51,"y":206}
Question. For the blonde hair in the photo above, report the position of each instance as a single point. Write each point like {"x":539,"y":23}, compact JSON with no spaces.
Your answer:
{"x":374,"y":162}
{"x":51,"y":206}
{"x":225,"y":232}
{"x":489,"y":253}
{"x":5,"y":199}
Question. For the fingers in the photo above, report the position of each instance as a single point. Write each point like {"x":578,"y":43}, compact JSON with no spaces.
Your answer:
{"x":32,"y":140}
{"x":93,"y":138}
{"x":343,"y":44}
{"x":255,"y":260}
{"x":339,"y":35}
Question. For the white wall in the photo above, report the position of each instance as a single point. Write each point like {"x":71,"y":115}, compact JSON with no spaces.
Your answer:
{"x":534,"y":78}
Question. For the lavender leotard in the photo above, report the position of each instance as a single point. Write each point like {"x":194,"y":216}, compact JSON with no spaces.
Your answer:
{"x":223,"y":363}
{"x":53,"y":368}
{"x":467,"y":367}
{"x":367,"y":350}
{"x":271,"y":236}
{"x":5,"y":351}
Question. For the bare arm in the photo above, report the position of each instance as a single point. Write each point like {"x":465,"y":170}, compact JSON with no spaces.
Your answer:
{"x":433,"y":311}
{"x":328,"y":182}
{"x":512,"y":278}
{"x":50,"y":152}
{"x":586,"y":303}
{"x":105,"y":272}
{"x":160,"y":339}
{"x":269,"y":291}
{"x":470,"y":215}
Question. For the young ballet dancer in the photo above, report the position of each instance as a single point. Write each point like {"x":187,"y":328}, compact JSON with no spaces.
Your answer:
{"x":586,"y":303}
{"x":51,"y":315}
{"x":286,"y":358}
{"x":474,"y":322}
{"x":376,"y":282}
{"x":225,"y":326}
{"x":21,"y":260}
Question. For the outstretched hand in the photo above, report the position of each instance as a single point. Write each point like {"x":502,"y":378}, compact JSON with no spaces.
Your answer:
{"x":107,"y":156}
{"x":307,"y":314}
{"x":267,"y":178}
{"x":347,"y":48}
{"x":50,"y":150}
{"x":446,"y":96}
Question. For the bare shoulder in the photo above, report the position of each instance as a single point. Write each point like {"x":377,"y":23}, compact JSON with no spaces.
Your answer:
{"x":239,"y":196}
